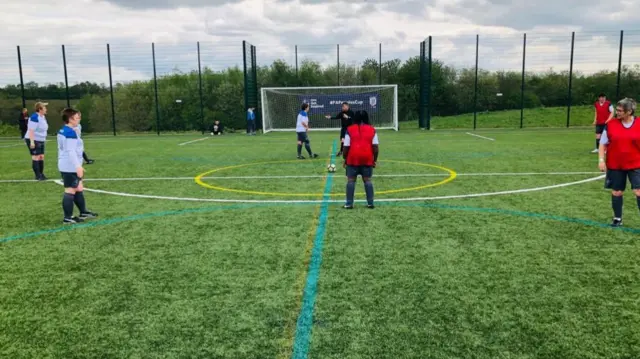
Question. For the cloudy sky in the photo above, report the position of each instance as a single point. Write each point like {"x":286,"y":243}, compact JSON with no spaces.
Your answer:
{"x":316,"y":26}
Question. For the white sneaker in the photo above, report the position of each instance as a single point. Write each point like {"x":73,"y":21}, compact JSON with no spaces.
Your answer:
{"x":595,"y":151}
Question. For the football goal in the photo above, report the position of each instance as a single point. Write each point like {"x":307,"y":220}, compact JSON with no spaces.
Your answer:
{"x":281,"y":105}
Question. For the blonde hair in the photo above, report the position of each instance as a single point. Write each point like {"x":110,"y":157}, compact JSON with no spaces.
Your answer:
{"x":40,"y":105}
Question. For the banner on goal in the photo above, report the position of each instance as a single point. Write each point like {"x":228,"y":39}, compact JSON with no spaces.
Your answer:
{"x":333,"y":103}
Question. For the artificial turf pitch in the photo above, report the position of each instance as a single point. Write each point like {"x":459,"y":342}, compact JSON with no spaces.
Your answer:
{"x":462,"y":273}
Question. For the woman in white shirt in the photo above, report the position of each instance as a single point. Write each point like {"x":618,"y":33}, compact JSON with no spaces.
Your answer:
{"x":35,"y":137}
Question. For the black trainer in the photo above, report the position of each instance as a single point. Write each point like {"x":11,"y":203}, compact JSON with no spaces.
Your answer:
{"x":370,"y":206}
{"x":301,"y":157}
{"x":346,"y":206}
{"x":90,"y":162}
{"x":617,"y":222}
{"x":315,"y":155}
{"x":88,"y":214}
{"x":42,"y":177}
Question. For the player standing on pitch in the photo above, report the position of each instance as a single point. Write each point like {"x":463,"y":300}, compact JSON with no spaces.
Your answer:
{"x":360,"y":155}
{"x":302,"y":127}
{"x":346,"y":117}
{"x":620,"y":156}
{"x":604,"y":113}
{"x":35,"y":138}
{"x":70,"y":149}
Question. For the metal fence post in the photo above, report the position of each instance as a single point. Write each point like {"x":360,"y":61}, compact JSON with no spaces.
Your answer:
{"x":570,"y":95}
{"x":524,"y":55}
{"x":113,"y":106}
{"x":475,"y":87}
{"x":338,"y":58}
{"x":246,"y":82}
{"x":24,"y":100}
{"x":429,"y":79}
{"x":421,"y":99}
{"x":203,"y":124}
{"x":619,"y":66}
{"x":155,"y":83}
{"x":380,"y":64}
{"x":66,"y":79}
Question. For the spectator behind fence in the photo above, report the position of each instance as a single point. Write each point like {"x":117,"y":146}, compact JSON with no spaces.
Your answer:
{"x":251,"y":121}
{"x":23,"y":121}
{"x":217,"y":129}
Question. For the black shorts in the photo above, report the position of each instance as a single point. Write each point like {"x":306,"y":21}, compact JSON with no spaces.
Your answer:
{"x":600,"y":129}
{"x":302,"y":137}
{"x":364,"y":171}
{"x":38,"y":150}
{"x":343,"y":132}
{"x":70,"y":179}
{"x":617,"y":179}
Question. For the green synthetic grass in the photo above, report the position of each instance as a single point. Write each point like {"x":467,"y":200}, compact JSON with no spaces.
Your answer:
{"x":529,"y":275}
{"x":531,"y":118}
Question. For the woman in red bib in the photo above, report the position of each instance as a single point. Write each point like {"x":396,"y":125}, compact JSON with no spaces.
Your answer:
{"x":620,"y":141}
{"x":603,"y":113}
{"x":360,"y":155}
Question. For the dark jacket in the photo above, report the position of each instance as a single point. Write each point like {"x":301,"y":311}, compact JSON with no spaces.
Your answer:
{"x":345,"y":122}
{"x":23,"y":119}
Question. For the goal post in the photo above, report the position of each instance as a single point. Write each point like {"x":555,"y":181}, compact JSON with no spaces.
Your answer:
{"x":281,"y":105}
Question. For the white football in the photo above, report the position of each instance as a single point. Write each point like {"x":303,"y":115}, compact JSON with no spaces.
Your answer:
{"x":331,"y":167}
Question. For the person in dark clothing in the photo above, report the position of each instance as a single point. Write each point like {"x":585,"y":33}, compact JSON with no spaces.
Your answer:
{"x":346,"y":118}
{"x":23,"y":120}
{"x":217,"y":129}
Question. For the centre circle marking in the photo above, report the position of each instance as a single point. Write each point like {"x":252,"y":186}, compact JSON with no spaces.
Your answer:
{"x":199,"y":181}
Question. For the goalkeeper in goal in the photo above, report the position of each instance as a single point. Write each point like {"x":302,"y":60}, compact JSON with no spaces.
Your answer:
{"x":346,"y":118}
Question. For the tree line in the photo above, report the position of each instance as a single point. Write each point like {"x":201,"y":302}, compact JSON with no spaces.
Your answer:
{"x":453,"y":92}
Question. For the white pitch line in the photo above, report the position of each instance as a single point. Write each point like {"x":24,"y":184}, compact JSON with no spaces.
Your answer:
{"x":186,"y":143}
{"x":409,"y":199}
{"x":15,"y":145}
{"x":478,"y":174}
{"x":486,"y":138}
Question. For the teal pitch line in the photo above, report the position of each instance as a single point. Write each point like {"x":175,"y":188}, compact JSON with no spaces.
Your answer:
{"x":105,"y":222}
{"x":508,"y":212}
{"x":305,"y":318}
{"x":505,"y":212}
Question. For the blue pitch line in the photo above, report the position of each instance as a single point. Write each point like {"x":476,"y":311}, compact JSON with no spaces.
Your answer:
{"x":127,"y":219}
{"x":509,"y":212}
{"x":381,"y":202}
{"x":305,"y":318}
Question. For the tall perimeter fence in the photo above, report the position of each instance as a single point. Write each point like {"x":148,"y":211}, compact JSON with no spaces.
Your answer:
{"x":475,"y":81}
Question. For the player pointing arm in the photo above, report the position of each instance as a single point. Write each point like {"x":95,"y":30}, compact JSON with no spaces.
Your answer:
{"x":346,"y":118}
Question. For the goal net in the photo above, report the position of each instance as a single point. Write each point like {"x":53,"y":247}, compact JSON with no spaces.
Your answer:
{"x":281,"y":105}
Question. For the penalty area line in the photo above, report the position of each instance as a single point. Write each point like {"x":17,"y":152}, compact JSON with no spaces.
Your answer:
{"x":199,"y":139}
{"x":486,"y":138}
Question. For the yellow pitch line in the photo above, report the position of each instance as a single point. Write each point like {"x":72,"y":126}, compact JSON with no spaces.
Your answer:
{"x":289,"y":329}
{"x":199,"y":181}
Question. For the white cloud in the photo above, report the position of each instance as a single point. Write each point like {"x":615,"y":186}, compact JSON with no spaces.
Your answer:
{"x":275,"y":27}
